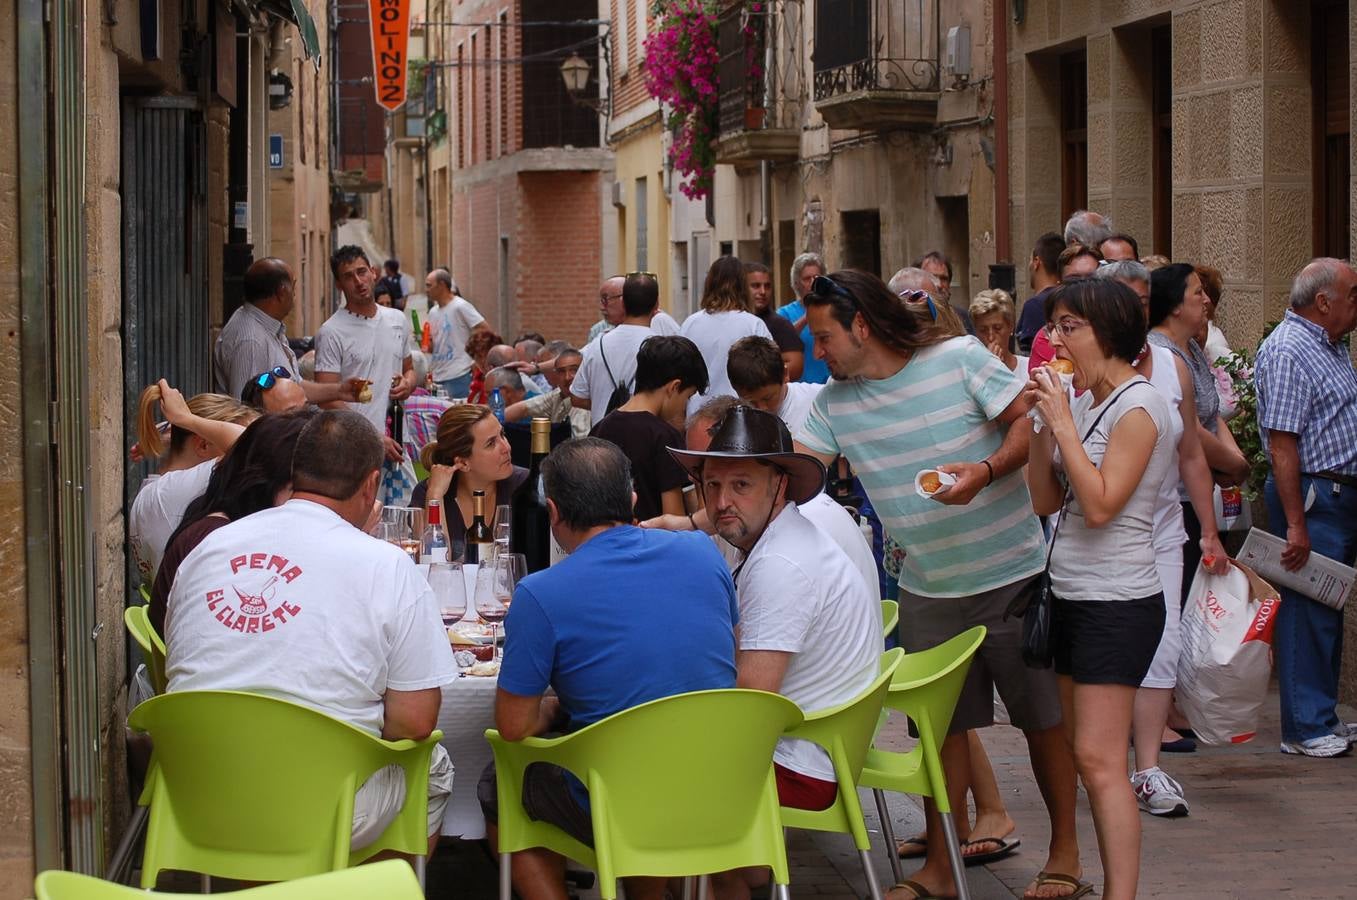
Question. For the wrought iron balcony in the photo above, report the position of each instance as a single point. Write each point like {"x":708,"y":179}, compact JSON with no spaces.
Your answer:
{"x":876,"y":63}
{"x":756,"y":120}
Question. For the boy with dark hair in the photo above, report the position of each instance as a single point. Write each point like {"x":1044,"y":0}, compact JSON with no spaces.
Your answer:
{"x":669,"y":371}
{"x":756,"y":370}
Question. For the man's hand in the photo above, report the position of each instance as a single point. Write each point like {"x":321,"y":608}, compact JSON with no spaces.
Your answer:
{"x":970,"y":479}
{"x":401,"y":387}
{"x":1297,"y":550}
{"x":668,"y":523}
{"x":394,"y":453}
{"x":350,"y":388}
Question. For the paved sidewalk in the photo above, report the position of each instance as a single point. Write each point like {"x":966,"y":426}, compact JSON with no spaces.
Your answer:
{"x":1262,"y":825}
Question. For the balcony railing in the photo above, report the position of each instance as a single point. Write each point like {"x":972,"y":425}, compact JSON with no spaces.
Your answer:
{"x":756,"y":118}
{"x":876,"y":62}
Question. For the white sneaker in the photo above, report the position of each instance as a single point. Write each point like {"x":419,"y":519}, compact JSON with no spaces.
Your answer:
{"x":1325,"y":745}
{"x":1158,"y":794}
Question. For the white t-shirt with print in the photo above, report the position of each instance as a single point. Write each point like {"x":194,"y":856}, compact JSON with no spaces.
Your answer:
{"x":295,"y":603}
{"x":354,"y":346}
{"x":800,"y":594}
{"x":449,"y":329}
{"x":158,"y":509}
{"x":714,"y":333}
{"x":592,"y":382}
{"x":796,"y":403}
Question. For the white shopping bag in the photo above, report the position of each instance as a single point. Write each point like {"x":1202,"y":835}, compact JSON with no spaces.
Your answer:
{"x":1226,"y":656}
{"x":1232,"y":510}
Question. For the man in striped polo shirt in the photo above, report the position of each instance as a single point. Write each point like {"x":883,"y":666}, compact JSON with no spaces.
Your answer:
{"x":906,"y":395}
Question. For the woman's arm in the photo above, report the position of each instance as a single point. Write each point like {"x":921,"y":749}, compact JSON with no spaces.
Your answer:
{"x":1222,"y":453}
{"x":221,"y":435}
{"x":1196,"y":476}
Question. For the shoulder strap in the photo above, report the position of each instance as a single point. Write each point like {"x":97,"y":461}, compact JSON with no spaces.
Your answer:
{"x":603,"y":356}
{"x":1064,"y":504}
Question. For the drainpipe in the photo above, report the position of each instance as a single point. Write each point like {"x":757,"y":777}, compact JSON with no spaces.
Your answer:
{"x":765,"y":167}
{"x":1003,"y":240}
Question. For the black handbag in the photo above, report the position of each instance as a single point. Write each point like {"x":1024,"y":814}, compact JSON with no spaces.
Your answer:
{"x":1034,"y":602}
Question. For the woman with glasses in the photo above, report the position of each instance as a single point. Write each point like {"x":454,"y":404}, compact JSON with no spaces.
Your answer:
{"x":1177,"y":311}
{"x":1099,"y":463}
{"x":727,"y":314}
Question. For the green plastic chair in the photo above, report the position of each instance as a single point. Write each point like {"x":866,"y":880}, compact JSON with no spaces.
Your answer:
{"x":890,"y":617}
{"x":679,"y":786}
{"x":138,"y":622}
{"x":925,"y":688}
{"x":255,"y":788}
{"x":846,"y":732}
{"x":389,"y":880}
{"x":145,"y":594}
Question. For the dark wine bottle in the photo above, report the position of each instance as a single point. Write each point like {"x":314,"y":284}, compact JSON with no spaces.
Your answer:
{"x":480,"y":542}
{"x":531,"y":531}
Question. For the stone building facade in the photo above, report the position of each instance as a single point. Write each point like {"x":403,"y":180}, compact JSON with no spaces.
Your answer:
{"x":517,"y":166}
{"x":134,"y":185}
{"x":1215,"y":132}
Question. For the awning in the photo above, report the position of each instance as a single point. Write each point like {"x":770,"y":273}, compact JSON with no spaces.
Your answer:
{"x":295,"y":11}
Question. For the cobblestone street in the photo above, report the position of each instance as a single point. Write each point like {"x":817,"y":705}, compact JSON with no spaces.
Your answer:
{"x":1262,"y":825}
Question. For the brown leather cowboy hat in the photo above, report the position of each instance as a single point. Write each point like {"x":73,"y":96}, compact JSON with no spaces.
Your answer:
{"x":749,"y":433}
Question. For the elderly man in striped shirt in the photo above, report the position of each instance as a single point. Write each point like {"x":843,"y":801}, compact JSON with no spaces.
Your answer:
{"x":907,"y":395}
{"x":1307,"y":414}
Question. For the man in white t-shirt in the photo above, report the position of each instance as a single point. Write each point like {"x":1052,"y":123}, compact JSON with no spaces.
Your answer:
{"x":809,"y":628}
{"x":296,"y":602}
{"x":610,"y":360}
{"x":368,"y":341}
{"x":452,"y":322}
{"x":758,"y":373}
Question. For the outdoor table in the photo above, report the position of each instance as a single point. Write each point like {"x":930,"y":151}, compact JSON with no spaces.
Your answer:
{"x":468,"y":709}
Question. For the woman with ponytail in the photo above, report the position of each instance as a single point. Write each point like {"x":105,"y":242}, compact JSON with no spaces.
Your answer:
{"x":201,"y":430}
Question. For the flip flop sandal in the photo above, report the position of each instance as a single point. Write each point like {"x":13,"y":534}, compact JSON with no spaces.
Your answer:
{"x":1006,"y":847}
{"x":912,"y":848}
{"x":1081,"y":888}
{"x":920,"y":892}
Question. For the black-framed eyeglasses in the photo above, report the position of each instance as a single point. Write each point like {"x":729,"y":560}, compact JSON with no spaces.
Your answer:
{"x":268,"y":379}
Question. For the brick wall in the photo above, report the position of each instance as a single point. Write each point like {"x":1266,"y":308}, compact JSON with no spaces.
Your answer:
{"x":628,"y":85}
{"x":556,"y":281}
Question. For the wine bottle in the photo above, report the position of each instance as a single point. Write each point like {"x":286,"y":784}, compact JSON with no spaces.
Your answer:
{"x":531,"y":532}
{"x":434,"y":544}
{"x":479,"y":541}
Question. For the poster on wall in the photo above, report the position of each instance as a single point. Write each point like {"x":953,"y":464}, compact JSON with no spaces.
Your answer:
{"x":390,"y":21}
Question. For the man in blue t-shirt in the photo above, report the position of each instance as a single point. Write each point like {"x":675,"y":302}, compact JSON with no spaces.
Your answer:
{"x":804,"y":270}
{"x":630,"y":616}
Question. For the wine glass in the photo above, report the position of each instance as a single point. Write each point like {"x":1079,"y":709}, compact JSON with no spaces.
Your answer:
{"x":449,"y":589}
{"x":490,"y":603}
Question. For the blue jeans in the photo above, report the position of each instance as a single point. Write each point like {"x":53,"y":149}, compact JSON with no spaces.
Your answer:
{"x":458,"y":387}
{"x":1309,"y":635}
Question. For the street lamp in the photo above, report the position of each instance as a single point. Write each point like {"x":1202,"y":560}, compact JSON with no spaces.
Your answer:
{"x":575,"y":74}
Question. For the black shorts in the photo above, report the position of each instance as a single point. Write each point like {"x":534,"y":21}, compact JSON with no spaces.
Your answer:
{"x":1107,"y":641}
{"x":546,"y":798}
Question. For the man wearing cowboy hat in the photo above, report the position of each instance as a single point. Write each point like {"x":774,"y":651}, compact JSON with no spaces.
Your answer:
{"x":809,"y":628}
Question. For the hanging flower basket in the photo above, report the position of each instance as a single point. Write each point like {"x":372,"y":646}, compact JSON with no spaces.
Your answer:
{"x":681,"y":60}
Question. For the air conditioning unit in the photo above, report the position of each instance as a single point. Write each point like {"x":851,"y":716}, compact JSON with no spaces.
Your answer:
{"x":619,"y":195}
{"x":956,"y":60}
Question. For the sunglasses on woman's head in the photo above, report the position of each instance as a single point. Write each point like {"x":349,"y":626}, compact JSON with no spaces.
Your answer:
{"x":911,"y":296}
{"x":273,"y":376}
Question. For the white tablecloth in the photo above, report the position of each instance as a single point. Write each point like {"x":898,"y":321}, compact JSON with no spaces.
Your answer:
{"x":468,"y":709}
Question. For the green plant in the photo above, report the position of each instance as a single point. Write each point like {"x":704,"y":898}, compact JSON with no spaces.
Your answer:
{"x":1235,"y":376}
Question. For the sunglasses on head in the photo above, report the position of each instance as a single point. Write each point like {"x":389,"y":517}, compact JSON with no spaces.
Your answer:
{"x":911,"y":296}
{"x":651,"y":275}
{"x":271,"y":377}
